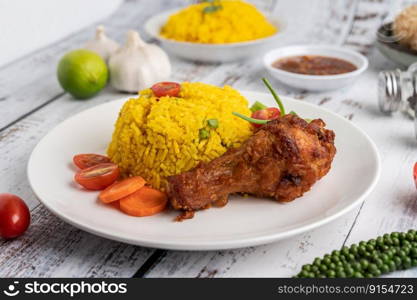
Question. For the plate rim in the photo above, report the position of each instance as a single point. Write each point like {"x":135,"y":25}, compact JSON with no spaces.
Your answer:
{"x":218,"y":244}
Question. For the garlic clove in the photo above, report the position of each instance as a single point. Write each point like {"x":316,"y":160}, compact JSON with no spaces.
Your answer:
{"x":101,"y":44}
{"x":137,"y":65}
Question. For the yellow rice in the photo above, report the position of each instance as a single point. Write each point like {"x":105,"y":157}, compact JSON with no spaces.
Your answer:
{"x":236,"y":21}
{"x":155,"y":138}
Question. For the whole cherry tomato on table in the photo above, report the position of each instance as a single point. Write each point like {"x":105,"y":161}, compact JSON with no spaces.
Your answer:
{"x":14,"y":216}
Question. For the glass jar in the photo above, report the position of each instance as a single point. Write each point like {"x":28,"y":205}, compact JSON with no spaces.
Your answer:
{"x":397,"y":91}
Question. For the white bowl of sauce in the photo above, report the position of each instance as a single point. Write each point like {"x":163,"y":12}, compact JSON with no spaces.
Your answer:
{"x":315,"y":68}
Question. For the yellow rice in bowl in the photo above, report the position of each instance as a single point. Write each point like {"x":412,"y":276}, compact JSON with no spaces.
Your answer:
{"x":159,"y":137}
{"x":233,"y":21}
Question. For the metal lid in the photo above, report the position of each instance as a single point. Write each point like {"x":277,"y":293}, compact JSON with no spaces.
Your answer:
{"x":389,"y":91}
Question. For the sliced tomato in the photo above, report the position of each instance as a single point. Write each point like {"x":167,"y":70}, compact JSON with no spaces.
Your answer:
{"x":415,"y":174}
{"x":84,"y":161}
{"x":121,"y":189}
{"x":97,"y":177}
{"x":270,"y":113}
{"x":166,"y":88}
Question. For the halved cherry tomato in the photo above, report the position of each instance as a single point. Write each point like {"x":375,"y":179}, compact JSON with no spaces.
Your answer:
{"x":415,"y":174}
{"x":121,"y":189}
{"x":84,"y":161}
{"x":270,"y":113}
{"x":166,"y":88}
{"x":97,"y":177}
{"x":14,"y":216}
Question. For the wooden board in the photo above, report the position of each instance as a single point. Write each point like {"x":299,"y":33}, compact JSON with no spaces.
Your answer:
{"x":32,"y":103}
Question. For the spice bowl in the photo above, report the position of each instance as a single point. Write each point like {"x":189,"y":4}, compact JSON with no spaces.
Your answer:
{"x":213,"y":53}
{"x":315,"y":82}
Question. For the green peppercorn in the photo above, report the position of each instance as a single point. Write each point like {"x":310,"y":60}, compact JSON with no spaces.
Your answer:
{"x":323,"y":268}
{"x":350,"y":257}
{"x":335,"y":259}
{"x":357,"y":266}
{"x":331,"y":274}
{"x":362,"y":250}
{"x":397,"y":261}
{"x":406,"y":262}
{"x":345,"y":251}
{"x":349,"y":271}
{"x":387,"y":253}
{"x":327,"y":261}
{"x":392,"y":266}
{"x":354,"y":249}
{"x":364,"y":263}
{"x":341,"y":274}
{"x":384,"y":268}
{"x":395,"y":235}
{"x":306,"y":267}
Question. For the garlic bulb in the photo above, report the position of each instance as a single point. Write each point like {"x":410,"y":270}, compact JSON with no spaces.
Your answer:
{"x":137,"y":65}
{"x":101,"y":44}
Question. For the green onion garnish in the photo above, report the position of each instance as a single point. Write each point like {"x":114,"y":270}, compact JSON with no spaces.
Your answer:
{"x":249,"y":119}
{"x":274,"y":94}
{"x":213,"y":123}
{"x":257,"y":106}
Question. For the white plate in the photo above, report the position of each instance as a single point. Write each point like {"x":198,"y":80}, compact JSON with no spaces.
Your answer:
{"x":212,"y":52}
{"x":243,"y":222}
{"x":316,"y":82}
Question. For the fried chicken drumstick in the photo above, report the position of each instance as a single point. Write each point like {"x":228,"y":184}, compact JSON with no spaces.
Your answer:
{"x":281,"y":160}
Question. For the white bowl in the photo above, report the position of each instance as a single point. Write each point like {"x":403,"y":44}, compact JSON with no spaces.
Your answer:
{"x":315,"y":82}
{"x":211,"y":52}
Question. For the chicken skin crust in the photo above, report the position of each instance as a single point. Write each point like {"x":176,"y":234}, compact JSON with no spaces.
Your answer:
{"x":281,"y":160}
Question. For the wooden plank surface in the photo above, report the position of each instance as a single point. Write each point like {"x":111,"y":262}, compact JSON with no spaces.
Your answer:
{"x":31,"y":103}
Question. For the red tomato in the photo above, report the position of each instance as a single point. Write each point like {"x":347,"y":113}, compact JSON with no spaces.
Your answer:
{"x":84,"y":161}
{"x":97,"y":177}
{"x":161,"y":89}
{"x":270,"y":113}
{"x":14,"y":216}
{"x":415,"y":174}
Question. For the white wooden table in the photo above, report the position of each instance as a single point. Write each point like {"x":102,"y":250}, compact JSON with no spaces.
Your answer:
{"x":32,"y":103}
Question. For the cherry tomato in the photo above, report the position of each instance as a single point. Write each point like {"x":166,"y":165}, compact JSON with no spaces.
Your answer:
{"x":415,"y":174}
{"x":270,"y":113}
{"x":84,"y":161}
{"x":14,"y":216}
{"x":97,"y":177}
{"x":166,"y":88}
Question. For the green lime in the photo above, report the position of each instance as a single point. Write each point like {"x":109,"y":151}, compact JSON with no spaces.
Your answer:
{"x":82,"y":73}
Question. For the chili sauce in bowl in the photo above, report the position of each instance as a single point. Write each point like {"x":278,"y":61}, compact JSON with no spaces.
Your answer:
{"x":315,"y":68}
{"x":314,"y":65}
